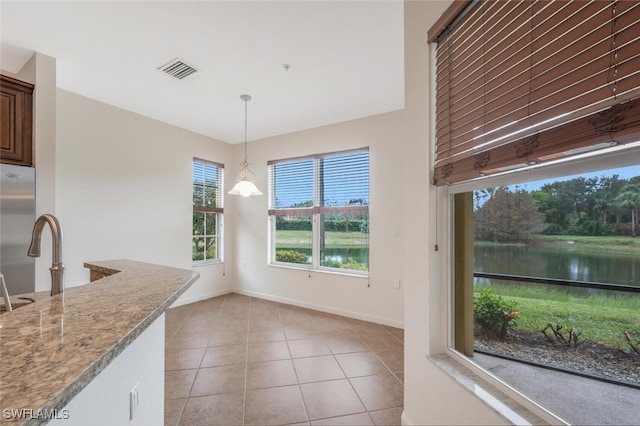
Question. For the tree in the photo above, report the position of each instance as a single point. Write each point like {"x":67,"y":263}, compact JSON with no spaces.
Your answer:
{"x":556,"y":206}
{"x":629,"y":198}
{"x":483,"y":195}
{"x":580,"y":192}
{"x":507,"y":216}
{"x":607,"y":189}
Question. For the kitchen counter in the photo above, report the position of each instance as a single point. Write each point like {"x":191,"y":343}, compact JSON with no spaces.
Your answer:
{"x":51,"y":349}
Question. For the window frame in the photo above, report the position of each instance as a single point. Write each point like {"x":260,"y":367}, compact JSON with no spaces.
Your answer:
{"x":592,"y":162}
{"x":442,"y":219}
{"x":316,"y":213}
{"x":216,"y":169}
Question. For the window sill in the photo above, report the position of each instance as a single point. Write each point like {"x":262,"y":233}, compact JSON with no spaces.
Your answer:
{"x":322,"y":271}
{"x":510,"y":403}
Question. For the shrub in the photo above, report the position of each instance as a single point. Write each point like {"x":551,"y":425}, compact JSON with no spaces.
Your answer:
{"x":553,"y":229}
{"x":492,"y":313}
{"x":351,"y":264}
{"x":293,"y":224}
{"x":332,"y":263}
{"x":330,"y":225}
{"x":591,"y":228}
{"x":291,"y":256}
{"x":342,"y":225}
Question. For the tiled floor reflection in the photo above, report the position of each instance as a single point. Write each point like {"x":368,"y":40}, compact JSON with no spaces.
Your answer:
{"x":238,"y":360}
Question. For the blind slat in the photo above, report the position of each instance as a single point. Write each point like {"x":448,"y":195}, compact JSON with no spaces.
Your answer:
{"x":308,"y":186}
{"x":208,"y":186}
{"x":509,"y":69}
{"x":621,"y":121}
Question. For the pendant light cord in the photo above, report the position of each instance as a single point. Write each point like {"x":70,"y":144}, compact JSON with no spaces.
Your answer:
{"x":246,"y":99}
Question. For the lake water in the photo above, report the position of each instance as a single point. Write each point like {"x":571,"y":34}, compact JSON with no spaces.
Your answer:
{"x":558,"y":263}
{"x":345,"y":255}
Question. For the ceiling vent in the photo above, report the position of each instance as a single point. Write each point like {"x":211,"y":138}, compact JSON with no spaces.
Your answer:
{"x":178,"y":69}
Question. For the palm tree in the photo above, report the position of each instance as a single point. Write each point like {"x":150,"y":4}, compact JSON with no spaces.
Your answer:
{"x":629,"y":198}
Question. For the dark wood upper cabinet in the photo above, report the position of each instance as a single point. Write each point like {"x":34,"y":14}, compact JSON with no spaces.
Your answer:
{"x":16,"y":125}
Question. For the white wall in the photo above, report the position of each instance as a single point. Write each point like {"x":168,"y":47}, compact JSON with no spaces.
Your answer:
{"x":345,"y":295}
{"x":105,"y":400}
{"x":123,"y":189}
{"x":430,"y":396}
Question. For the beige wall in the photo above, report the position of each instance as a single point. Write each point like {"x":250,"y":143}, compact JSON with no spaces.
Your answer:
{"x":430,"y":396}
{"x":123,"y":189}
{"x":346,"y":295}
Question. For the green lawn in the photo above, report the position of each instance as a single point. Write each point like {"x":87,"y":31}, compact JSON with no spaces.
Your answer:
{"x":600,"y":319}
{"x":301,"y":239}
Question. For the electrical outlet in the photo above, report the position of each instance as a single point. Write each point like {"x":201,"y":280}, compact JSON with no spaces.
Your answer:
{"x":396,"y":284}
{"x":134,"y":401}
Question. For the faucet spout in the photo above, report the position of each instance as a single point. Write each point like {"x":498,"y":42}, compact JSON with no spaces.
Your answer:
{"x":57,"y":269}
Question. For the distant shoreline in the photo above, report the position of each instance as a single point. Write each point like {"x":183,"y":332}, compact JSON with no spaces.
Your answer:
{"x":608,"y":244}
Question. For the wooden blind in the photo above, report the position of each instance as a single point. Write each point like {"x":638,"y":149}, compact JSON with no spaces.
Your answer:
{"x":522,"y":82}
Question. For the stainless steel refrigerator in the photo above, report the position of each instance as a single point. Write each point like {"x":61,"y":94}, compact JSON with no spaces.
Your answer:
{"x":17,"y":216}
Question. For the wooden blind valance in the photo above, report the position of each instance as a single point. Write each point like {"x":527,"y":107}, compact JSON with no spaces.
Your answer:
{"x":522,"y":82}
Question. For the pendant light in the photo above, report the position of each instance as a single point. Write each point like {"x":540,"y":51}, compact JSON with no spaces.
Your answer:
{"x":245,"y":185}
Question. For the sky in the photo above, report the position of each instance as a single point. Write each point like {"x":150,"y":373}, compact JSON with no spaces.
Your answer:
{"x":346,"y":177}
{"x":622,"y":172}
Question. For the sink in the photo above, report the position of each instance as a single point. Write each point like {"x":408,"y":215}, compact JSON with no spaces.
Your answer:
{"x":17,"y":303}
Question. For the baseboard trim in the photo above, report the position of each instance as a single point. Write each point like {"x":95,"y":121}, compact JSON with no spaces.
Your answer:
{"x":321,"y":308}
{"x":203,"y":296}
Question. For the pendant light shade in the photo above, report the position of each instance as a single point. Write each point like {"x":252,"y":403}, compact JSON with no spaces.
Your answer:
{"x":244,"y":185}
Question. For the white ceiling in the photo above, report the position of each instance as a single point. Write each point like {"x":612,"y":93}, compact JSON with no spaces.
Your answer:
{"x":346,"y":59}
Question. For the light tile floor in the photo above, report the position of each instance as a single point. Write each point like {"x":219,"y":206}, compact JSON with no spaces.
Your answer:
{"x":238,"y":360}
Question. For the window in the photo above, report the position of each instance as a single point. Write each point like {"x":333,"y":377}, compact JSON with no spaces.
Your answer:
{"x":319,"y":211}
{"x":521,"y":86}
{"x":208,"y":187}
{"x":549,"y":277}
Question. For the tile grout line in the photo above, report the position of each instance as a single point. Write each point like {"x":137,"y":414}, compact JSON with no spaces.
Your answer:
{"x":174,"y":334}
{"x":254,"y":312}
{"x":199,"y":366}
{"x":375,"y":353}
{"x":346,"y":376}
{"x":349,"y":379}
{"x":246,"y":366}
{"x":304,"y":403}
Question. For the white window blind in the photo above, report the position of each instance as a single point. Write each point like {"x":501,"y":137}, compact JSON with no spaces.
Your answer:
{"x":208,"y":186}
{"x":319,"y":208}
{"x":327,"y":183}
{"x":208,"y":190}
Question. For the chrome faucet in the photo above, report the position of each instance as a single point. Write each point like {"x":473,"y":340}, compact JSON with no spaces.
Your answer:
{"x":57,"y":269}
{"x":5,"y":294}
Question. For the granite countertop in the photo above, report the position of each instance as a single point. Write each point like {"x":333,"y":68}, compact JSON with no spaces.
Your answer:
{"x":51,"y":349}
